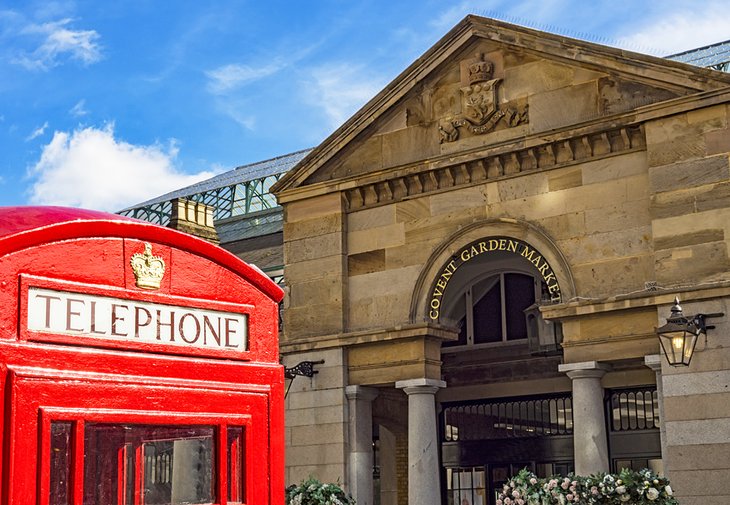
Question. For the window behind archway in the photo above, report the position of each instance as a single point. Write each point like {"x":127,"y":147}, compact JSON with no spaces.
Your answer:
{"x":490,"y":309}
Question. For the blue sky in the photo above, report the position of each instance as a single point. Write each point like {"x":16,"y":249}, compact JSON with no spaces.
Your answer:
{"x":106,"y":104}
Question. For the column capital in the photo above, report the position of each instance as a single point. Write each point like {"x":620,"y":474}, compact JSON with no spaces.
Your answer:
{"x":355,"y":392}
{"x":654,"y":361}
{"x":412,"y":386}
{"x":585,"y":369}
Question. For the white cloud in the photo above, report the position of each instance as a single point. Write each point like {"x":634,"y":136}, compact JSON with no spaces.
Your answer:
{"x":702,"y":24}
{"x":341,"y":89}
{"x":59,"y":41}
{"x":90,"y":168}
{"x":37,"y":132}
{"x":247,"y":121}
{"x":232,"y":76}
{"x":79,"y":109}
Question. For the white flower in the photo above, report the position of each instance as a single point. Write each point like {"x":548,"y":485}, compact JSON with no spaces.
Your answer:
{"x":621,"y":489}
{"x":668,"y":490}
{"x":625,"y":497}
{"x":652,"y":493}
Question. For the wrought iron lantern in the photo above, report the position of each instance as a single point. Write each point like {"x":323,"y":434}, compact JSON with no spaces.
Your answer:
{"x":678,"y":337}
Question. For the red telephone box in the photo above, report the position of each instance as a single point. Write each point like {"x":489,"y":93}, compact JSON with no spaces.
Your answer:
{"x":138,"y":366}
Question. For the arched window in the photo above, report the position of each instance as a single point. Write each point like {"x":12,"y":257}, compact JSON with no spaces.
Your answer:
{"x":487,"y":296}
{"x":491,"y":309}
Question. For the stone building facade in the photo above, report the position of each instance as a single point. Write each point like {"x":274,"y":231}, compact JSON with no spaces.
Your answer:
{"x":481,"y":256}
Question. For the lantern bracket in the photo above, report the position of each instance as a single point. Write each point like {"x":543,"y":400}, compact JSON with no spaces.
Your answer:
{"x":303,"y":369}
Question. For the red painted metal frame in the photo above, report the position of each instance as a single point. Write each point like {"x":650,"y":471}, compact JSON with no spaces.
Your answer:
{"x":46,"y":377}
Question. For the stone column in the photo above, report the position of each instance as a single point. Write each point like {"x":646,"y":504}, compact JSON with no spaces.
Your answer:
{"x":423,"y":466}
{"x":654,"y":361}
{"x":590,"y":440}
{"x":360,"y":402}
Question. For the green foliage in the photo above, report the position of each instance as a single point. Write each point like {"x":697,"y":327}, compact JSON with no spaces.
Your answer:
{"x":628,"y":487}
{"x":314,"y":492}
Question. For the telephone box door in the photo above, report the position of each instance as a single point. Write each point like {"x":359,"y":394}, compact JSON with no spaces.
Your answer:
{"x":180,"y":446}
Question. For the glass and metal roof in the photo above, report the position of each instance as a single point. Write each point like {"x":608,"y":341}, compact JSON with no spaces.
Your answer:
{"x":235,"y":193}
{"x":715,"y":56}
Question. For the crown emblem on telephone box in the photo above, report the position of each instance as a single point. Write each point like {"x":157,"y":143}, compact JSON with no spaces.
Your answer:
{"x":148,"y":269}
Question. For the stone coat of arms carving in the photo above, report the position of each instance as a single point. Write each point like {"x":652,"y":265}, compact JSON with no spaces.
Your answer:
{"x":479,"y":110}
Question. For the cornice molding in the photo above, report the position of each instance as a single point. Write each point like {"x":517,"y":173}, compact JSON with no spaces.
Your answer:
{"x":545,"y":156}
{"x":353,"y":338}
{"x":639,"y":300}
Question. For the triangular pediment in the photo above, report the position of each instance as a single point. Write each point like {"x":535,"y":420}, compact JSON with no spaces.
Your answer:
{"x":489,"y":83}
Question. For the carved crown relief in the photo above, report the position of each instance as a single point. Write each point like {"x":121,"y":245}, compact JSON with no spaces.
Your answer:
{"x":479,"y":107}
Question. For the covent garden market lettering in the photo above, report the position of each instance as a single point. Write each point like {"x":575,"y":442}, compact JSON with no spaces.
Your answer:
{"x":491,"y":245}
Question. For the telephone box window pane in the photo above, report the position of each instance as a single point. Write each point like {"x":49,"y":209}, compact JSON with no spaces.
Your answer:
{"x":148,"y":464}
{"x":236,"y":474}
{"x":60,"y":463}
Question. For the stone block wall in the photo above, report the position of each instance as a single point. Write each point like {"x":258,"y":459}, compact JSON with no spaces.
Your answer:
{"x":689,"y":182}
{"x":596,"y":212}
{"x":315,"y":258}
{"x":697,"y":413}
{"x":316,"y":420}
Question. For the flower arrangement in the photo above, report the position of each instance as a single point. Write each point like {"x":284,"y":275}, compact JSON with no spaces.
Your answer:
{"x":314,"y":492}
{"x":628,"y":487}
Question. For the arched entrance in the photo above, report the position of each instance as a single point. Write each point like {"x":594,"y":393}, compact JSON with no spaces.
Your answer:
{"x":512,"y":408}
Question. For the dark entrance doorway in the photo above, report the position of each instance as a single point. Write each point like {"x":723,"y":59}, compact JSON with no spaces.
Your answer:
{"x":485,"y":442}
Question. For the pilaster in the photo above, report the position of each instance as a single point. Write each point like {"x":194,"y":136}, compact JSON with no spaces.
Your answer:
{"x":360,"y":403}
